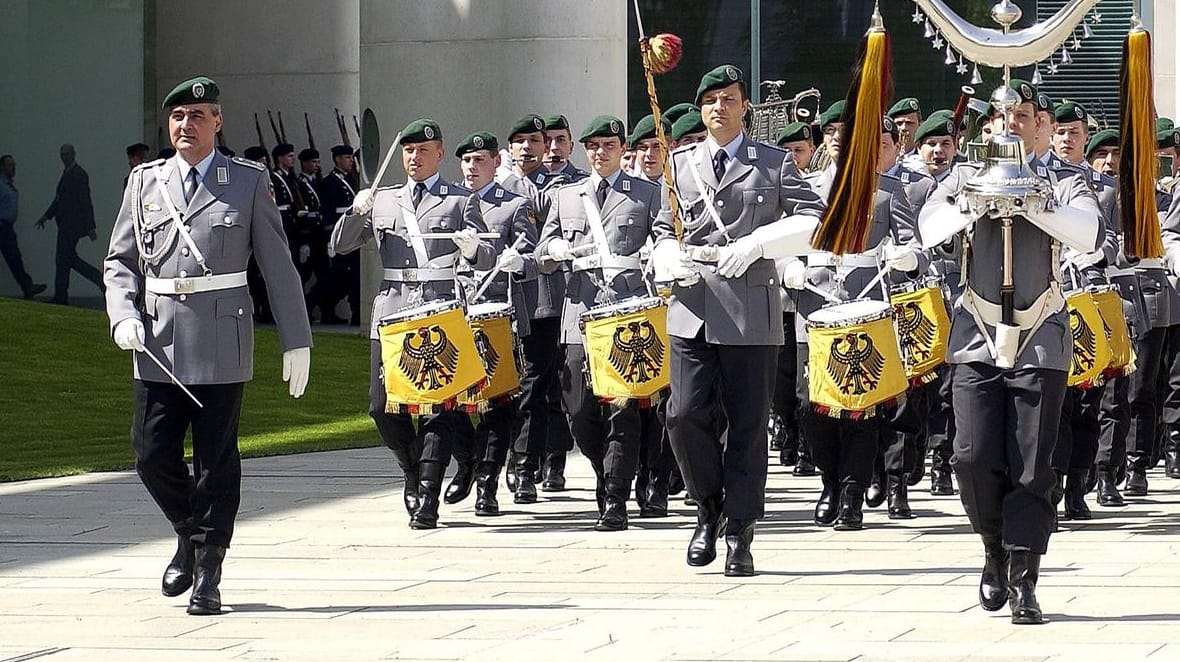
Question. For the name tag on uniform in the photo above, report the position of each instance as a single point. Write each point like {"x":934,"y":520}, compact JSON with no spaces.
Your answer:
{"x":442,"y":190}
{"x":222,"y":175}
{"x":905,"y":178}
{"x":751,"y":152}
{"x":1041,"y":171}
{"x":499,"y":193}
{"x":626,"y":186}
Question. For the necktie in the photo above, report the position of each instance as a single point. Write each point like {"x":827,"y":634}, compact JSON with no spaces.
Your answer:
{"x":602,"y":187}
{"x":719,"y":161}
{"x":419,"y":191}
{"x":191,"y":189}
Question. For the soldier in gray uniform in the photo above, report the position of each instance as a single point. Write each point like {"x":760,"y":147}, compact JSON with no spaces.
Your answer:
{"x":1008,"y":389}
{"x":415,"y":270}
{"x":688,"y":129}
{"x":559,"y":143}
{"x":481,"y":451}
{"x":743,"y":205}
{"x":613,"y":213}
{"x":907,"y":115}
{"x":175,"y":279}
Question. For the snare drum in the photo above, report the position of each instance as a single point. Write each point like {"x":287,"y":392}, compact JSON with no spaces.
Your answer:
{"x":1110,"y":307}
{"x":1091,"y":348}
{"x":429,"y":358}
{"x":627,"y":349}
{"x":491,"y":325}
{"x":923,"y":327}
{"x":854,"y":363}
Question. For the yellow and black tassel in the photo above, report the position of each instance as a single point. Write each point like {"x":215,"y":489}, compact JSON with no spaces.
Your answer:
{"x":1137,"y":142}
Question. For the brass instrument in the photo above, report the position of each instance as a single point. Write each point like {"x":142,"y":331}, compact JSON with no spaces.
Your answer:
{"x":771,"y":116}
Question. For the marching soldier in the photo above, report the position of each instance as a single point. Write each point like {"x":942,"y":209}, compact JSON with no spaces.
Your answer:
{"x":647,"y":148}
{"x":1008,"y":387}
{"x":415,"y":270}
{"x":282,"y":180}
{"x":336,"y":198}
{"x":481,"y":452}
{"x":744,"y":206}
{"x":1072,"y":132}
{"x":907,"y":115}
{"x":688,"y":129}
{"x":796,"y":139}
{"x":310,"y":219}
{"x":613,"y":213}
{"x":558,"y":145}
{"x":176,"y":290}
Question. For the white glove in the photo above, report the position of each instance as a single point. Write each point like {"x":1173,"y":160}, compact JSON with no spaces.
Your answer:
{"x":734,"y":259}
{"x":362,"y":202}
{"x":671,"y":263}
{"x":467,"y":241}
{"x":296,"y":369}
{"x":795,"y":275}
{"x":1084,"y":260}
{"x":559,"y":249}
{"x":129,"y":334}
{"x":511,"y":260}
{"x":304,"y":254}
{"x":1173,"y":262}
{"x":899,"y":258}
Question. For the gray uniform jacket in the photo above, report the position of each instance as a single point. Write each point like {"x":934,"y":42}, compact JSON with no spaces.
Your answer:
{"x":760,"y":186}
{"x":538,"y":190}
{"x":628,"y":215}
{"x":444,"y":208}
{"x":1170,"y":228}
{"x":1033,"y":251}
{"x":511,"y":216}
{"x":204,"y":337}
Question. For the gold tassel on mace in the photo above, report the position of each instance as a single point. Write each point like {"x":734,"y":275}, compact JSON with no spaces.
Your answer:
{"x":1137,"y":142}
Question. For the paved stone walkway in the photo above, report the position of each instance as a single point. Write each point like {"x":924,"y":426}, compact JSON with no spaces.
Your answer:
{"x":324,"y":567}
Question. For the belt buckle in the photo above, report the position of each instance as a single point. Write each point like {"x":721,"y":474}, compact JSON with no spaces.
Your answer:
{"x":410,"y":274}
{"x":184,"y":285}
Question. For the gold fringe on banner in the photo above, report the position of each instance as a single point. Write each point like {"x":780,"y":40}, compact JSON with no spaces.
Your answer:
{"x":1137,"y":143}
{"x":845,"y":225}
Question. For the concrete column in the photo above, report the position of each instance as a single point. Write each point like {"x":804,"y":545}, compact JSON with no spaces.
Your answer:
{"x":1165,"y":22}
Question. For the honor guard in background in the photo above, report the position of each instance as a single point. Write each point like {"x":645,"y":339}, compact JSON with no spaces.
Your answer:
{"x":612,"y":212}
{"x":647,"y":148}
{"x":559,"y":143}
{"x":743,"y":206}
{"x":336,"y":196}
{"x":907,"y":115}
{"x":310,"y":218}
{"x":688,"y":129}
{"x":415,"y":270}
{"x":482,"y":451}
{"x":1009,"y":387}
{"x":544,"y":437}
{"x":176,"y":289}
{"x":261,"y":312}
{"x":286,"y":188}
{"x":136,"y":154}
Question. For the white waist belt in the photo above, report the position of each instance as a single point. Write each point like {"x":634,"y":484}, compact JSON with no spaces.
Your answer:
{"x":702,"y":253}
{"x":196,"y":284}
{"x":1150,"y":263}
{"x":342,"y":210}
{"x":417,"y":275}
{"x":625,"y":262}
{"x":1113,"y":272}
{"x":849,"y":260}
{"x":284,"y":207}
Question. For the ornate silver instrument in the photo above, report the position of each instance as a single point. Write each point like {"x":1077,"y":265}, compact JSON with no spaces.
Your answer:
{"x":770,"y":117}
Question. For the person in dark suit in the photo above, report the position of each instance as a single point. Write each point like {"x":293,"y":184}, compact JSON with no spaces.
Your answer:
{"x":74,"y":213}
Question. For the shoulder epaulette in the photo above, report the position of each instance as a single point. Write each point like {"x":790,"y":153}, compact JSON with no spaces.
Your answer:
{"x":248,"y":163}
{"x":149,"y":164}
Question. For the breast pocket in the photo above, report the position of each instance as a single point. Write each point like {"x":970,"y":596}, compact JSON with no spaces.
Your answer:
{"x":227,"y":231}
{"x":631,"y":232}
{"x":442,"y":223}
{"x":758,"y":197}
{"x":572,"y":227}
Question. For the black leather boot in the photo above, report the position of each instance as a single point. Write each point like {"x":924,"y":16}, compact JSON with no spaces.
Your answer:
{"x":1172,"y":460}
{"x":1108,"y":489}
{"x":993,"y":582}
{"x":554,"y":473}
{"x":487,"y":481}
{"x":875,"y":494}
{"x":1075,"y":496}
{"x":914,"y":477}
{"x":614,"y":512}
{"x":461,"y":483}
{"x":1136,"y":482}
{"x":804,"y":467}
{"x":1023,"y":571}
{"x":899,"y":498}
{"x":940,"y":477}
{"x":826,"y":509}
{"x":206,"y":597}
{"x":526,"y":486}
{"x":851,"y":517}
{"x":1058,"y":491}
{"x":178,"y":576}
{"x":739,"y":562}
{"x":774,"y":431}
{"x":656,"y":504}
{"x":600,"y":494}
{"x":410,"y":496}
{"x":702,"y":547}
{"x":429,"y":488}
{"x":513,"y":465}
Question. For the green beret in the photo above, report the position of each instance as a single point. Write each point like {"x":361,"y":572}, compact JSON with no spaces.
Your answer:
{"x":646,"y":128}
{"x":689,"y":122}
{"x":890,"y":127}
{"x":1164,"y":124}
{"x":1104,"y":138}
{"x":420,"y":131}
{"x":556,"y":122}
{"x":1070,"y":111}
{"x":1166,"y":139}
{"x":905,"y":107}
{"x":935,"y":126}
{"x":676,"y":112}
{"x":193,"y":90}
{"x":475,"y":142}
{"x":604,"y":126}
{"x":528,"y":124}
{"x":1026,"y":90}
{"x":722,"y":76}
{"x":793,"y":132}
{"x":832,"y":114}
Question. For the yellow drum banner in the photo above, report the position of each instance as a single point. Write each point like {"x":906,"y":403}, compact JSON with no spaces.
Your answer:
{"x":854,"y":371}
{"x":497,"y":347}
{"x":1091,"y":350}
{"x":628,"y":353}
{"x":1122,"y":357}
{"x":923,"y":328}
{"x":429,"y":362}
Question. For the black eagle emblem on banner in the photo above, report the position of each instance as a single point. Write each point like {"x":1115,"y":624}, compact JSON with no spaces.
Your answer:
{"x":487,"y":351}
{"x":431,"y":363}
{"x":915,"y":331}
{"x":636,"y":352}
{"x":855,"y":364}
{"x":1085,"y":344}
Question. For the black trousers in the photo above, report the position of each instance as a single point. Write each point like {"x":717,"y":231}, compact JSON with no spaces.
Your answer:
{"x":11,"y":251}
{"x":1169,"y":383}
{"x":731,"y":464}
{"x":656,"y":460}
{"x":1078,"y":431}
{"x":1005,"y":429}
{"x":346,"y":278}
{"x":900,"y":432}
{"x":786,"y":402}
{"x":67,"y":260}
{"x":608,"y":435}
{"x":542,"y":423}
{"x":941,"y":417}
{"x":1114,"y":421}
{"x":1141,"y":436}
{"x":323,"y":291}
{"x":204,"y":504}
{"x":432,"y":440}
{"x":487,"y":441}
{"x":843,"y":450}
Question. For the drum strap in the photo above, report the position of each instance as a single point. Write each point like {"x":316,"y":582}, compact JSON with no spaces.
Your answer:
{"x":414,"y":232}
{"x":712,"y":208}
{"x":610,"y":263}
{"x":179,"y":224}
{"x":987,"y":314}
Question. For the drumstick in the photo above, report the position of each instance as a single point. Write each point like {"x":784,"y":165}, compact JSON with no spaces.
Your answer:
{"x":876,"y":279}
{"x":388,"y":157}
{"x":827,"y":295}
{"x":452,"y":235}
{"x":487,"y":281}
{"x":171,"y":376}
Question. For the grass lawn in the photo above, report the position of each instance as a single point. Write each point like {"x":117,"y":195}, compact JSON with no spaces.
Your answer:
{"x":65,"y":395}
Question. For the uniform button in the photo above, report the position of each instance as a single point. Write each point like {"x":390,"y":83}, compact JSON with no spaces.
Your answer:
{"x":759,"y":198}
{"x":720,"y":203}
{"x":184,"y":252}
{"x":228,"y":222}
{"x":771,"y":281}
{"x":183,"y":273}
{"x":184,"y":297}
{"x":240,"y":311}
